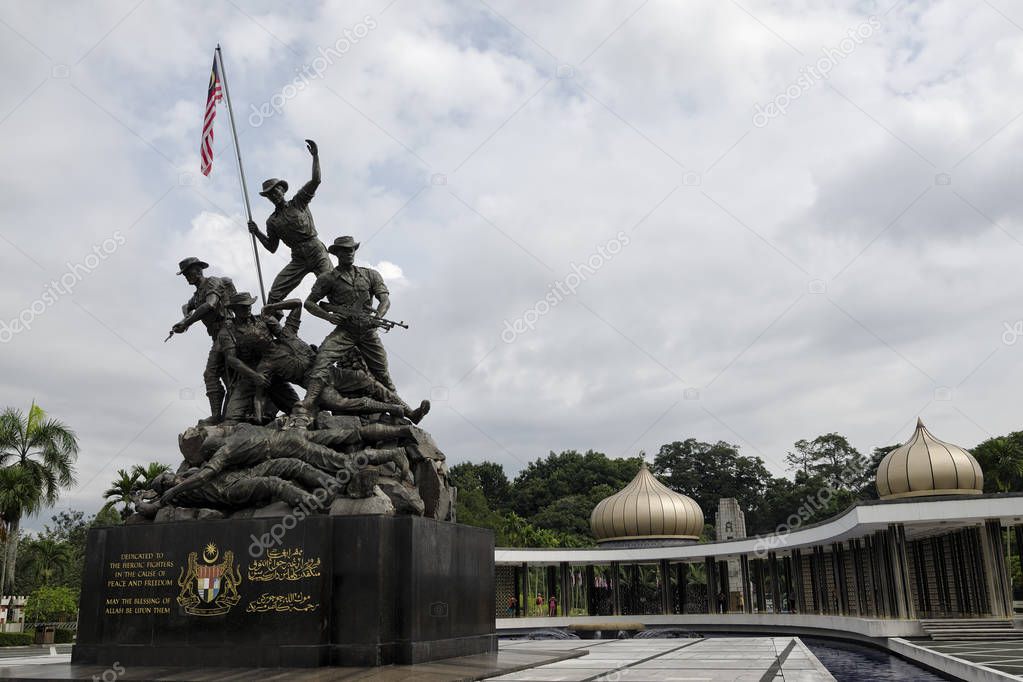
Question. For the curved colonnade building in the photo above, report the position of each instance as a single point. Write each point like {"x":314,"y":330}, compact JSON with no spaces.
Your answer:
{"x":928,"y":556}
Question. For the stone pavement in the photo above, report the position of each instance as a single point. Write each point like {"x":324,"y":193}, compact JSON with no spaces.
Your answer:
{"x":43,"y":666}
{"x":33,"y":652}
{"x":1005,"y":656}
{"x":615,"y":660}
{"x":639,"y":660}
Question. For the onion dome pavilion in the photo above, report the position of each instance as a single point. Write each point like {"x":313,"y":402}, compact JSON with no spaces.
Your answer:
{"x":646,"y":512}
{"x":925,"y":466}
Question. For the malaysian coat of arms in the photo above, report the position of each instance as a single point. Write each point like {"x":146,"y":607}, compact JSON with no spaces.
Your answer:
{"x":209,"y":588}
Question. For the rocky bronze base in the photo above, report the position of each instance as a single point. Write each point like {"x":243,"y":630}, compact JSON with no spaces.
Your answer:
{"x":287,"y":592}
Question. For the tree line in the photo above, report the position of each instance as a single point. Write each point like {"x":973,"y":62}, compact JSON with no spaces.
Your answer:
{"x":548,"y":503}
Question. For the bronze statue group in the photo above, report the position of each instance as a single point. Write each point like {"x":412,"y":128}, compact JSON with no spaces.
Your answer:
{"x":351,"y":444}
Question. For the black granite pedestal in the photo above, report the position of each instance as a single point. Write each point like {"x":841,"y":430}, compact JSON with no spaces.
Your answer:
{"x":287,"y":592}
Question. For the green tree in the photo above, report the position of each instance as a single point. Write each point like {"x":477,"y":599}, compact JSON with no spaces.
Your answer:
{"x":514,"y":531}
{"x":557,"y":476}
{"x":147,"y":474}
{"x":71,"y":527}
{"x":47,"y":560}
{"x":832,"y":458}
{"x":42,"y":453}
{"x":488,"y":477}
{"x":1001,"y":460}
{"x":791,"y":504}
{"x":17,"y":489}
{"x":52,"y":604}
{"x":105,"y":517}
{"x":56,"y":556}
{"x":868,"y":489}
{"x":707,"y":472}
{"x":472,"y":508}
{"x":68,"y":526}
{"x":121,"y":490}
{"x":570,"y":515}
{"x":510,"y":529}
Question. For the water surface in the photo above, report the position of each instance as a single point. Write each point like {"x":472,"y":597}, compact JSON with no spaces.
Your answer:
{"x":850,"y":662}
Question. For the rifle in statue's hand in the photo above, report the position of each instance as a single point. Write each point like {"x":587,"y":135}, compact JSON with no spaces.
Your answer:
{"x":358,"y":319}
{"x":370,"y":321}
{"x":388,"y":325}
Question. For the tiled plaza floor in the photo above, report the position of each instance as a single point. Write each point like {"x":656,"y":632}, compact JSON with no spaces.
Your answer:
{"x":624,"y":660}
{"x":638,"y":660}
{"x":39,"y":665}
{"x":1005,"y":655}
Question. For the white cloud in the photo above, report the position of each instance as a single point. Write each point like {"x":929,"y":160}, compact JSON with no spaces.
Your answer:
{"x":391,"y":273}
{"x":450,"y":146}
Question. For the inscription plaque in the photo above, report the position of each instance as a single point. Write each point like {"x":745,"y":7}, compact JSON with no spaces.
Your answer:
{"x":362,"y":590}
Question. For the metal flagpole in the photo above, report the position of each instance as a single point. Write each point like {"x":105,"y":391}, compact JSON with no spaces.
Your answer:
{"x":241,"y":170}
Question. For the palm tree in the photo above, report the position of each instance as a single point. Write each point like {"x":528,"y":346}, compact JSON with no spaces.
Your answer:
{"x":45,"y":559}
{"x":37,"y":458}
{"x":51,"y":558}
{"x":147,"y":474}
{"x":1001,"y":459}
{"x":122,"y":489}
{"x":18,"y":493}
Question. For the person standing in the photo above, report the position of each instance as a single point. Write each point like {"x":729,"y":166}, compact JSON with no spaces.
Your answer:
{"x":292,"y":223}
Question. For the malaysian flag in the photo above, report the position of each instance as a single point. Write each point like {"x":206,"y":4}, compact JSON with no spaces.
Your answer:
{"x":214,"y":95}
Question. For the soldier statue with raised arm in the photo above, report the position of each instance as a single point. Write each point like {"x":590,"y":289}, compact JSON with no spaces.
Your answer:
{"x":292,"y":223}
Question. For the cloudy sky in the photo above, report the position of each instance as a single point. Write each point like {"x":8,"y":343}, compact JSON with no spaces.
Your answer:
{"x":609,"y":225}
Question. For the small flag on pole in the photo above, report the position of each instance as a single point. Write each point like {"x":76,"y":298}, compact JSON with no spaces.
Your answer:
{"x":214,"y":95}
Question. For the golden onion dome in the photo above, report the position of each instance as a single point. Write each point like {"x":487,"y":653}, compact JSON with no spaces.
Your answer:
{"x":928,"y":466}
{"x":646,"y":510}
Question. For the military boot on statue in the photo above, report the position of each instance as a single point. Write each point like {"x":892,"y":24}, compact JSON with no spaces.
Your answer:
{"x":312,"y":394}
{"x":216,"y":410}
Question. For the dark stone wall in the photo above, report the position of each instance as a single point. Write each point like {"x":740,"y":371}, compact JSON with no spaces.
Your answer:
{"x":359,"y":590}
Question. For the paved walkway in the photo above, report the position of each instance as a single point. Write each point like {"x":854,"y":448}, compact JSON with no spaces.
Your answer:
{"x":43,"y":666}
{"x":616,"y":660}
{"x":1005,"y":656}
{"x":33,"y":651}
{"x":639,"y":660}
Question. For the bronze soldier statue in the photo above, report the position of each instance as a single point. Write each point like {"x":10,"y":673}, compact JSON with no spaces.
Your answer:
{"x":349,"y":389}
{"x":285,"y":479}
{"x":292,"y":223}
{"x":223,"y":448}
{"x":208,"y":305}
{"x":244,"y":340}
{"x":349,"y":291}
